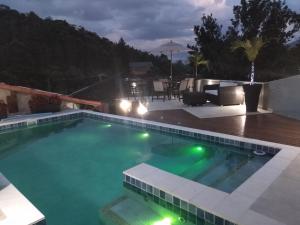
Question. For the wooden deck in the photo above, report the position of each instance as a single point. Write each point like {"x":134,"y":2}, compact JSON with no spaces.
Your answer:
{"x":268,"y":127}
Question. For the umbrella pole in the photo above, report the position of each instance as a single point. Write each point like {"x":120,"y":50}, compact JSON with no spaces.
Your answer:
{"x":171,"y":75}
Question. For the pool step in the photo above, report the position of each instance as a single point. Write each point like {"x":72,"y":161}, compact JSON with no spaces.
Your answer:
{"x":129,"y":211}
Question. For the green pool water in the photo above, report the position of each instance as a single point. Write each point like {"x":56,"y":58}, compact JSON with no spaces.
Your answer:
{"x":71,"y":170}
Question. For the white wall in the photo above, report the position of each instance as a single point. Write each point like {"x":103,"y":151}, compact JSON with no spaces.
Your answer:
{"x":283,"y":96}
{"x":23,"y":103}
{"x":4,"y":94}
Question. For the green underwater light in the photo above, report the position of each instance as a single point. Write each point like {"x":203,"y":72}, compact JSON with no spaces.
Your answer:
{"x":108,"y":125}
{"x":165,"y":221}
{"x":144,"y":135}
{"x":199,"y":148}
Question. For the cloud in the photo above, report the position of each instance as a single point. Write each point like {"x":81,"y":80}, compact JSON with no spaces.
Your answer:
{"x":138,"y":21}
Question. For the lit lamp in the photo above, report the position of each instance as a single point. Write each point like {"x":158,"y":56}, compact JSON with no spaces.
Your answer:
{"x":141,"y":109}
{"x":125,"y":105}
{"x":133,"y":84}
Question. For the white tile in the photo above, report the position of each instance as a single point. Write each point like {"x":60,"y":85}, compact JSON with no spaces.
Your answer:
{"x":268,"y":174}
{"x":234,"y":206}
{"x":278,"y":163}
{"x":189,"y":189}
{"x":208,"y":199}
{"x":140,"y":171}
{"x":16,"y":209}
{"x":288,"y":153}
{"x":253,"y":187}
{"x":250,"y":218}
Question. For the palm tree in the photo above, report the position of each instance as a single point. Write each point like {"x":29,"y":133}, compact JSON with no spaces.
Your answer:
{"x":198,"y":59}
{"x":251,"y":48}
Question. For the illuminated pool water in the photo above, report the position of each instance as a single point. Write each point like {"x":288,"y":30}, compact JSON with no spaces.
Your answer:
{"x":71,"y":170}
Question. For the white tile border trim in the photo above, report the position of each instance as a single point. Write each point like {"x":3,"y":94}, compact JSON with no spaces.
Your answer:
{"x":16,"y":208}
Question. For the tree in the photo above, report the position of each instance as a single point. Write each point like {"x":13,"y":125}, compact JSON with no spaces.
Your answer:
{"x":274,"y":22}
{"x":198,"y":59}
{"x":251,"y":48}
{"x":271,"y":20}
{"x":210,"y":42}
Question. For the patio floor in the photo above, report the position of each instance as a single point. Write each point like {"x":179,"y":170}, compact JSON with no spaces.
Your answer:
{"x":267,"y":127}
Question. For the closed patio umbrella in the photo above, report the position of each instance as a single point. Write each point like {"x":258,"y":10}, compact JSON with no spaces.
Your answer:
{"x":170,"y":47}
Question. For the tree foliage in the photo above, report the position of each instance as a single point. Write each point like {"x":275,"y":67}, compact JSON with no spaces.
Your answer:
{"x":251,"y":47}
{"x":273,"y":21}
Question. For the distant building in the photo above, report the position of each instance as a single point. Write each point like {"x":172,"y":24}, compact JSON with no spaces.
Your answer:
{"x":139,"y":68}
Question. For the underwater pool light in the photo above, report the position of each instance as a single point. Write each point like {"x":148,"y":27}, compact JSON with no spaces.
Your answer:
{"x":199,"y":148}
{"x":108,"y":125}
{"x":145,"y":135}
{"x":165,"y":221}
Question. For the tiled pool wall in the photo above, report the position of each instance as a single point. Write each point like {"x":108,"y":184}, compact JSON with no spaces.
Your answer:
{"x":185,"y":210}
{"x":163,"y":128}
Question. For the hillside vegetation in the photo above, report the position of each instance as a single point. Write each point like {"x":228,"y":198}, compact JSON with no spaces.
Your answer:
{"x":54,"y":55}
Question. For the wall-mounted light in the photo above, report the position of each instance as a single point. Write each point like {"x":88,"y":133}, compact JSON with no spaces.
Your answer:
{"x":125,"y":105}
{"x":133,"y":84}
{"x":209,"y":82}
{"x":141,"y":109}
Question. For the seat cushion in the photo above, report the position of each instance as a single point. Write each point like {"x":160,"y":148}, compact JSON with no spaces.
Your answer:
{"x":212,"y":92}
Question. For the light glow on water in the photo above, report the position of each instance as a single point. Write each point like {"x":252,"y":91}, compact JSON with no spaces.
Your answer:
{"x":199,"y":148}
{"x":145,"y":135}
{"x":165,"y":221}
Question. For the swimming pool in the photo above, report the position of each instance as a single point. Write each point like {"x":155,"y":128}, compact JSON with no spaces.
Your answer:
{"x":69,"y":170}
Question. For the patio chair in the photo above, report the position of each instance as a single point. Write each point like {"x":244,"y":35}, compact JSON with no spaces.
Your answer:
{"x":181,"y":89}
{"x":159,"y":90}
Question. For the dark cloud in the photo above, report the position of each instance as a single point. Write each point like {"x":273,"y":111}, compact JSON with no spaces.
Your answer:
{"x":135,"y":20}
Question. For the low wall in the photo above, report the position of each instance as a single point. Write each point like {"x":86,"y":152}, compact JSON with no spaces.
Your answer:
{"x":3,"y":95}
{"x":23,"y":103}
{"x":283,"y":96}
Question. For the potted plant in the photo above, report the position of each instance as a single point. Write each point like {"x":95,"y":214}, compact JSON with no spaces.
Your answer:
{"x":252,"y":91}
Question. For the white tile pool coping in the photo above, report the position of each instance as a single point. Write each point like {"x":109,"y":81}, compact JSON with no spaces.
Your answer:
{"x":15,"y":208}
{"x":235,"y":206}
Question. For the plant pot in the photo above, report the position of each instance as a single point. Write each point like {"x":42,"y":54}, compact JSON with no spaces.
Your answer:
{"x":252,"y":93}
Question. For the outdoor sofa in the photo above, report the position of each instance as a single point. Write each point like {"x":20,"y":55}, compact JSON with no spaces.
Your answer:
{"x":224,"y":93}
